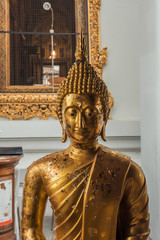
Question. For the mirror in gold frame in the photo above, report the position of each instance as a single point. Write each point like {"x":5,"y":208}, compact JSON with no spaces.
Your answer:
{"x":26,"y":101}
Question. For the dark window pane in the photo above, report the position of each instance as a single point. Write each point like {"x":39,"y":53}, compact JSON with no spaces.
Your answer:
{"x":32,"y":53}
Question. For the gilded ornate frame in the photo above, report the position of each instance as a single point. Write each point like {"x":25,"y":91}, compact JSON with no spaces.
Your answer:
{"x":24,"y":102}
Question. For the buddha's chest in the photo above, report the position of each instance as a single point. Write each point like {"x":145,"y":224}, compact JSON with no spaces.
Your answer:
{"x":66,"y":188}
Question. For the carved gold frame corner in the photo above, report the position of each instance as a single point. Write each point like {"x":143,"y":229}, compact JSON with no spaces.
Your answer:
{"x":98,"y":58}
{"x":24,"y":102}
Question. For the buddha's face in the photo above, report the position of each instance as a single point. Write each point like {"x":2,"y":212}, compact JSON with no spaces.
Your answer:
{"x":82,"y":117}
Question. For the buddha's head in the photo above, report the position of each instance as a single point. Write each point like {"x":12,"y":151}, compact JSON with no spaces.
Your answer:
{"x":83,"y":101}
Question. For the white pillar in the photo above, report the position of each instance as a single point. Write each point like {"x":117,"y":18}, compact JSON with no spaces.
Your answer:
{"x":150,"y":105}
{"x":158,"y":97}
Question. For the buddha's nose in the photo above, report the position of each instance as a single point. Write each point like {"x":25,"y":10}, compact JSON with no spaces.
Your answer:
{"x":80,"y":121}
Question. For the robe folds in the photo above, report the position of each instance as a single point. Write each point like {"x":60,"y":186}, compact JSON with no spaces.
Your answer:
{"x":103,"y":199}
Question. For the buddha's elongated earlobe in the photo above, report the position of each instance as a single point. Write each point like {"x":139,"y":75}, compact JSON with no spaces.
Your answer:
{"x":103,"y":136}
{"x":64,"y":136}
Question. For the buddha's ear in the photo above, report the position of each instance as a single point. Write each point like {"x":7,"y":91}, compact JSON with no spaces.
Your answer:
{"x":64,"y":135}
{"x":102,"y":134}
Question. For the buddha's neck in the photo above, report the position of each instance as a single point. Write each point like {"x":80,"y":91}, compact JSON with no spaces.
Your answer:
{"x":84,"y":151}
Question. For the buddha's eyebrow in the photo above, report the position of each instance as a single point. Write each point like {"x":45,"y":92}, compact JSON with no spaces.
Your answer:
{"x":80,"y":108}
{"x":72,"y":106}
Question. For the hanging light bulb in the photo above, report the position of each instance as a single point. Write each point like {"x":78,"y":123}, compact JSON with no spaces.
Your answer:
{"x":46,"y":6}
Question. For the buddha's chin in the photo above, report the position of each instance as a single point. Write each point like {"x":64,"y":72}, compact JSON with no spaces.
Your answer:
{"x":82,"y":139}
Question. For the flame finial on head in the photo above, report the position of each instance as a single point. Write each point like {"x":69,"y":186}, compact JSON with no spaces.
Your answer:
{"x":81,"y":50}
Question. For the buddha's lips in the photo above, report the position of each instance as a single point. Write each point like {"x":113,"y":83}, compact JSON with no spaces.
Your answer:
{"x":81,"y":130}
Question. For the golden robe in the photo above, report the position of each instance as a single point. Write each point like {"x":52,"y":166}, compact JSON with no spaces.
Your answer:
{"x":105,"y":199}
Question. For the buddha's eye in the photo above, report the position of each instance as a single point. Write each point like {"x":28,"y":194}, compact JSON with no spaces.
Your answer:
{"x":71,"y":112}
{"x":90,"y":112}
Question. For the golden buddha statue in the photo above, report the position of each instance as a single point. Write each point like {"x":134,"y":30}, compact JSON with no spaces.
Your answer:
{"x":95,"y":192}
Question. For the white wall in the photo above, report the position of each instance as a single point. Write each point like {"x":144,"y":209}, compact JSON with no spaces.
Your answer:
{"x":119,"y":21}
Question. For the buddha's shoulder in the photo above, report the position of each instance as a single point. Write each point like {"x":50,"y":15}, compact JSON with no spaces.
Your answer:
{"x":117,"y":162}
{"x":51,"y":159}
{"x":136,"y":174}
{"x":117,"y":158}
{"x":109,"y":153}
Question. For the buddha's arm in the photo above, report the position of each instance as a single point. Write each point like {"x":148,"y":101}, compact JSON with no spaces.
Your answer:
{"x":33,"y":205}
{"x":134,"y":216}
